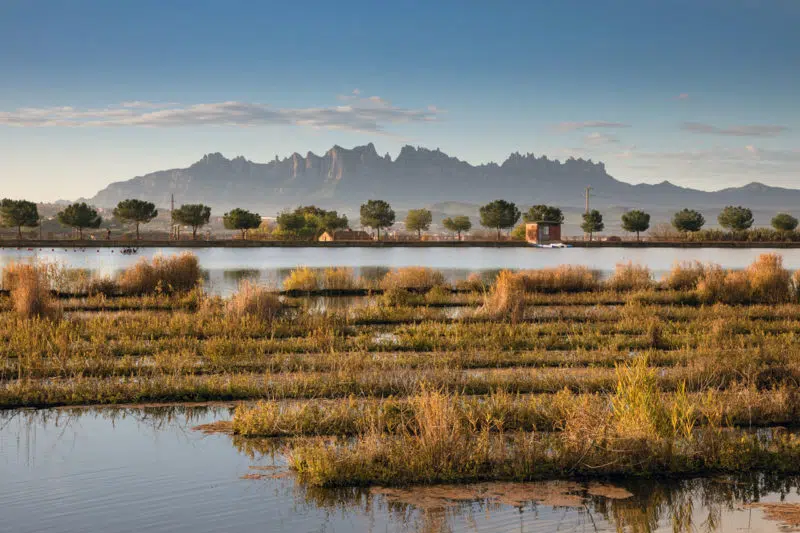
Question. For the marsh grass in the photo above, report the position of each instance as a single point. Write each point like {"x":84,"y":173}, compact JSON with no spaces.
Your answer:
{"x":639,"y":434}
{"x":684,"y":276}
{"x":255,"y":301}
{"x":564,"y":278}
{"x":339,"y":279}
{"x":177,"y":273}
{"x":506,"y":299}
{"x":418,"y":279}
{"x":29,"y":287}
{"x":630,"y":277}
{"x":301,"y":279}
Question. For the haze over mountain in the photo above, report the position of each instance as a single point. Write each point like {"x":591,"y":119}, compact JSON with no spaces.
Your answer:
{"x":343,"y":178}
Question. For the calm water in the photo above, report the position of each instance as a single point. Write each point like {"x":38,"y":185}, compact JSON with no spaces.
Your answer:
{"x":225,"y":267}
{"x":146,"y":470}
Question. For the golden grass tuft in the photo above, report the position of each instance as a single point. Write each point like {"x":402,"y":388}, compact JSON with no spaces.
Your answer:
{"x":630,"y":277}
{"x":338,"y":279}
{"x":473,"y":283}
{"x":769,"y":281}
{"x":177,"y":273}
{"x":507,"y":297}
{"x":253,"y":300}
{"x":301,"y":279}
{"x":412,"y":278}
{"x":30,"y":290}
{"x":685,"y":275}
{"x":719,"y":285}
{"x":564,"y":278}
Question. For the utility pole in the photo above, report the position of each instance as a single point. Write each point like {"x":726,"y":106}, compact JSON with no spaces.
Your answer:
{"x":171,"y":220}
{"x":587,"y":194}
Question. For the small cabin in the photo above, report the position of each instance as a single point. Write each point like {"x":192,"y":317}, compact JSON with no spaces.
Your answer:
{"x":543,"y":232}
{"x":345,"y":235}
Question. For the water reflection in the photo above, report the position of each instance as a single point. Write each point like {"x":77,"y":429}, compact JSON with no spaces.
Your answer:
{"x":97,"y":469}
{"x":225,"y":267}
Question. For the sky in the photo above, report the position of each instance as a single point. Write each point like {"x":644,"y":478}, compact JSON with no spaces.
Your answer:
{"x":703,"y":93}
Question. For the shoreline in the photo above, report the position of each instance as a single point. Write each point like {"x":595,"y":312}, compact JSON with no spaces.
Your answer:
{"x":229,"y":243}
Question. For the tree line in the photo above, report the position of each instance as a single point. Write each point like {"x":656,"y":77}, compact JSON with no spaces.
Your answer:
{"x":309,"y":222}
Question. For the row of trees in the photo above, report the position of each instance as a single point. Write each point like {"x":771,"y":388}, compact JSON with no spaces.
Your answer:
{"x":80,"y":216}
{"x":309,"y":222}
{"x":732,"y":218}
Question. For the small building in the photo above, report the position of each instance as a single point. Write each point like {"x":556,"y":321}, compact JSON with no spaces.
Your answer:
{"x":543,"y":232}
{"x":345,"y":235}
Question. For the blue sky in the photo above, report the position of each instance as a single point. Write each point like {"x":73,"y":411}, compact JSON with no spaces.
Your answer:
{"x":703,"y":93}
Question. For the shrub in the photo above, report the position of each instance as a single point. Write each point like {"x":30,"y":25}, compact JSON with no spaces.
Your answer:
{"x":396,"y":297}
{"x":438,"y":294}
{"x":473,"y":283}
{"x":718,"y":285}
{"x":102,"y":285}
{"x":255,"y":301}
{"x":565,"y":278}
{"x":507,"y":298}
{"x":338,"y":279}
{"x":769,"y":281}
{"x":412,"y":278}
{"x":177,"y":273}
{"x":30,"y":290}
{"x":301,"y":279}
{"x":630,"y":277}
{"x":685,"y":275}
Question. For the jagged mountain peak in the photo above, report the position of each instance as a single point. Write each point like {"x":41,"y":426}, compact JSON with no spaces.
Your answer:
{"x":418,"y":176}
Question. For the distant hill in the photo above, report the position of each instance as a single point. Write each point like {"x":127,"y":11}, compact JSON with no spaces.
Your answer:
{"x":343,"y":178}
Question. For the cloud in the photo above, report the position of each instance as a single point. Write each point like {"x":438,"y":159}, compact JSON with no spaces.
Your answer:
{"x":756,"y":130}
{"x":589,"y":124}
{"x":683,"y":96}
{"x":598,"y":139}
{"x":370,"y":115}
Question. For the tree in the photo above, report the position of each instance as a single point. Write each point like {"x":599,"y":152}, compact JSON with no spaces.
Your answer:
{"x":499,"y":215}
{"x":457,"y":224}
{"x":419,"y":220}
{"x":18,"y":213}
{"x":242,"y":220}
{"x":592,"y":222}
{"x":309,"y":222}
{"x":688,"y":220}
{"x":194,"y":215}
{"x":784,"y":222}
{"x":80,"y":216}
{"x":636,"y":221}
{"x":136,"y":211}
{"x":735,"y":218}
{"x":377,"y":214}
{"x":544,"y":213}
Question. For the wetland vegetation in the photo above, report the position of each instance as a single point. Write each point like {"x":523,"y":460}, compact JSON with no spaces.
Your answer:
{"x":526,"y":375}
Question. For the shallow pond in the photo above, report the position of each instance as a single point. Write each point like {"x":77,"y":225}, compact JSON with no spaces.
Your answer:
{"x":146,"y":469}
{"x":225,"y":267}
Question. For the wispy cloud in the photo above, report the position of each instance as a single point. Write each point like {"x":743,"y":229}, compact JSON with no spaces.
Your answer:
{"x":754,"y":130}
{"x":598,"y":139}
{"x":683,"y":96}
{"x":589,"y":124}
{"x":372,"y":115}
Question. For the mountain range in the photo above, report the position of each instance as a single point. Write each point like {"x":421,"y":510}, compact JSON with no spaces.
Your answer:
{"x":344,"y":178}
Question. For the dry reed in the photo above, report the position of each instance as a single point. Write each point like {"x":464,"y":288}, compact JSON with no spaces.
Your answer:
{"x":177,"y":273}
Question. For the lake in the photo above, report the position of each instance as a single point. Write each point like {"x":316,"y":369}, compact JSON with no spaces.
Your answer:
{"x":225,"y":267}
{"x":146,"y":469}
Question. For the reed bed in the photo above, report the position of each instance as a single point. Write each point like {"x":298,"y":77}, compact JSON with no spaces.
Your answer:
{"x":738,"y":406}
{"x":161,"y":274}
{"x":530,"y":376}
